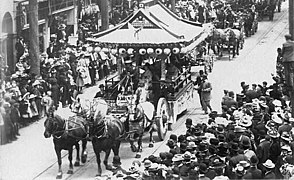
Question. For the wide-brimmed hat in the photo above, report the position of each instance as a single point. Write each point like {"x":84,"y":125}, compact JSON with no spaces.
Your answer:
{"x":221,"y":121}
{"x":177,"y":157}
{"x":217,"y":163}
{"x":246,"y":121}
{"x":277,"y":103}
{"x":153,"y":167}
{"x":269,"y":164}
{"x":286,"y":148}
{"x":239,"y":129}
{"x":32,"y":96}
{"x":276,"y":118}
{"x":286,"y":136}
{"x":187,"y":156}
{"x":203,"y":168}
{"x":240,"y":171}
{"x":36,"y":83}
{"x":147,"y":163}
{"x":191,"y":145}
{"x":273,"y":133}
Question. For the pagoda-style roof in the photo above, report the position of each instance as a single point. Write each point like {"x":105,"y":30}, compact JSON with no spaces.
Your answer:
{"x":155,"y":26}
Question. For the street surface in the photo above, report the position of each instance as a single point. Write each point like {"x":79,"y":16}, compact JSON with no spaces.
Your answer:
{"x":33,"y":157}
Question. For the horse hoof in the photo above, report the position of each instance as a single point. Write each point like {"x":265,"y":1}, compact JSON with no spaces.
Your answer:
{"x":98,"y":175}
{"x":138,"y":155}
{"x":108,"y":167}
{"x":70,"y":171}
{"x":84,"y":158}
{"x":77,"y":163}
{"x":151,"y":145}
{"x":59,"y":176}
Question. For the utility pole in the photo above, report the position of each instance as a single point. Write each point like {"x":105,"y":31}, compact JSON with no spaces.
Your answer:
{"x":103,"y":6}
{"x":289,"y":74}
{"x":34,"y":49}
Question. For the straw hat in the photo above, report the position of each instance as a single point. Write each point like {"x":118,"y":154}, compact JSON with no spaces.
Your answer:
{"x":147,"y":163}
{"x":239,"y":129}
{"x":286,"y":136}
{"x":269,"y":164}
{"x":177,"y":157}
{"x":246,"y":121}
{"x":273,"y":133}
{"x":276,"y":118}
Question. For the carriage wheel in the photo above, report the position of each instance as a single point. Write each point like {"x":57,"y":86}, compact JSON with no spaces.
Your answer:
{"x":162,"y":118}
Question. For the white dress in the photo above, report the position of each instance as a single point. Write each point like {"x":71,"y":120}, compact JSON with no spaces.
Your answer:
{"x":84,"y":62}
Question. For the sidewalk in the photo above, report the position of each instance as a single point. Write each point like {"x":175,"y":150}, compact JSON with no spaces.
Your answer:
{"x":32,"y":154}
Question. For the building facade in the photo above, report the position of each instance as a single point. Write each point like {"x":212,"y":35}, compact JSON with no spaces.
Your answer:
{"x":7,"y":36}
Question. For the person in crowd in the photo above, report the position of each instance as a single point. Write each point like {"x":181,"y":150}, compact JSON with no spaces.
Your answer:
{"x":230,"y":101}
{"x":269,"y":173}
{"x":198,"y":85}
{"x":20,"y":47}
{"x":206,"y":89}
{"x":47,"y":102}
{"x":15,"y":117}
{"x":288,"y":57}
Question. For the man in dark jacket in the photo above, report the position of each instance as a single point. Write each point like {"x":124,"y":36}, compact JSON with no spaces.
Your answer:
{"x":263,"y":149}
{"x":288,"y":57}
{"x":253,"y":172}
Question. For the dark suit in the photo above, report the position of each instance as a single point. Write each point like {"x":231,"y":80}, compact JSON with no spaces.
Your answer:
{"x":19,"y":46}
{"x":263,"y":151}
{"x":51,"y":51}
{"x":269,"y":175}
{"x":253,"y":173}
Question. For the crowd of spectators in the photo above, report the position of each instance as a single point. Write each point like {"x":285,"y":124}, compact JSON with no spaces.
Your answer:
{"x":65,"y":71}
{"x":252,"y":138}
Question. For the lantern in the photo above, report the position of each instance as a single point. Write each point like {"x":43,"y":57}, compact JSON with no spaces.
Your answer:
{"x":158,"y":51}
{"x":166,"y":51}
{"x":122,"y":51}
{"x":130,"y":51}
{"x":97,"y":49}
{"x":176,"y":50}
{"x":105,"y":50}
{"x":113,"y":51}
{"x":142,"y":51}
{"x":150,"y":50}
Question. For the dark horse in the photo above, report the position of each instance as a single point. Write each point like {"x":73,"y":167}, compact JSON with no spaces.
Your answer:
{"x":106,"y":133}
{"x":66,"y":134}
{"x":141,"y":119}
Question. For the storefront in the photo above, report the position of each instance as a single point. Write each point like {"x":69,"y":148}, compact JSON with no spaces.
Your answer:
{"x":22,"y":19}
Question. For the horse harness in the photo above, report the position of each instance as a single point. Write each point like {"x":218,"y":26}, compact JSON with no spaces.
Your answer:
{"x":66,"y":128}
